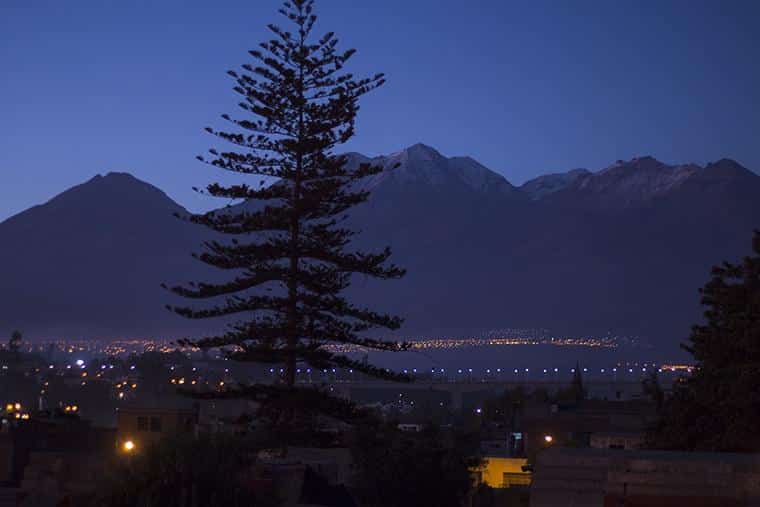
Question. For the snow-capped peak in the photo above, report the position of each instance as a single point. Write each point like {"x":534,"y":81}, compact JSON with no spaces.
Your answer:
{"x":422,"y":164}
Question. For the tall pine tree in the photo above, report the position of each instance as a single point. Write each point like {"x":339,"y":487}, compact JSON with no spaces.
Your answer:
{"x":289,"y":254}
{"x":14,"y":344}
{"x":717,"y":408}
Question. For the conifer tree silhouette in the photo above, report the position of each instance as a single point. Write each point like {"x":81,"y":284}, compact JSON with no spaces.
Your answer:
{"x":717,"y":408}
{"x":289,"y":254}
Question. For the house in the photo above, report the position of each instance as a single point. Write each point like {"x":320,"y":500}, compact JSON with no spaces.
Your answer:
{"x":614,"y":477}
{"x":590,"y":423}
{"x":502,"y":472}
{"x":52,"y":456}
{"x":139,"y":425}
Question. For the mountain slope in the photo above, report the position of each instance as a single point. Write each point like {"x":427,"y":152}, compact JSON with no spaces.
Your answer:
{"x":422,"y":165}
{"x":624,"y":249}
{"x":545,"y":185}
{"x":89,"y":261}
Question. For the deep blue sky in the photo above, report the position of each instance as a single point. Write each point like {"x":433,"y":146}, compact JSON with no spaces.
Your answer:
{"x":526,"y":88}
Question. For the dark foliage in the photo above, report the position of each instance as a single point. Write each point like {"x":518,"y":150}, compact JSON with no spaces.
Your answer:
{"x":15,"y":342}
{"x":288,"y":256}
{"x":717,"y":408}
{"x":411,"y":469}
{"x":506,"y":408}
{"x":653,"y":389}
{"x":12,"y":353}
{"x":318,"y":491}
{"x":209,"y":471}
{"x":575,"y":393}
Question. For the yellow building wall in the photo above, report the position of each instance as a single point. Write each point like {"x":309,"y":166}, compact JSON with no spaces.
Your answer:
{"x":499,"y":472}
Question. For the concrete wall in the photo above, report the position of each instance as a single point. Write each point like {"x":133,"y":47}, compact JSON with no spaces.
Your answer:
{"x":600,"y":478}
{"x":617,"y":441}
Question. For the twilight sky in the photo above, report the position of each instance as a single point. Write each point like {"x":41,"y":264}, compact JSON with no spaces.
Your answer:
{"x":90,"y":86}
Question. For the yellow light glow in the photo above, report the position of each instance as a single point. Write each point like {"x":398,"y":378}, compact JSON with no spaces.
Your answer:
{"x":17,"y":406}
{"x":129,"y":446}
{"x":9,"y":407}
{"x":548,"y":439}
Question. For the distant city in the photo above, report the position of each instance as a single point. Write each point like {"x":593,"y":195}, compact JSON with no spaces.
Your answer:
{"x":503,"y":337}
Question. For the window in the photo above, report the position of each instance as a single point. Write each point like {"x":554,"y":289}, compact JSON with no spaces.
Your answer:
{"x":155,"y":424}
{"x":142,"y":423}
{"x":515,"y":479}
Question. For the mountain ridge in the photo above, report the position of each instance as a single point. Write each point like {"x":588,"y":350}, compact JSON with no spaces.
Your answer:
{"x":479,"y":251}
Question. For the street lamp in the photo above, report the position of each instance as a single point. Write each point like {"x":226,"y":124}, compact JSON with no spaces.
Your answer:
{"x":128,"y":446}
{"x":548,"y":439}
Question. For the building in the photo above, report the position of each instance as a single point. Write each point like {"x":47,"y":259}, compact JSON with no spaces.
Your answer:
{"x":50,"y":457}
{"x":617,"y":440}
{"x":46,"y":433}
{"x":590,"y":423}
{"x":501,"y":472}
{"x":613,"y":478}
{"x":138,"y":426}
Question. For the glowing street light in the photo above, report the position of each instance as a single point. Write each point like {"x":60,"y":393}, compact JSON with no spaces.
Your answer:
{"x":128,"y":446}
{"x":548,"y":439}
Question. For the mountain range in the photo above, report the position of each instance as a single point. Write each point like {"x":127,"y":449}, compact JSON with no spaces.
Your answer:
{"x":621,"y":250}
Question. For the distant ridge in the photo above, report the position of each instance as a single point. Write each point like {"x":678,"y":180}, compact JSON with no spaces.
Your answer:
{"x":542,"y":186}
{"x":421,"y":164}
{"x":623,"y":249}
